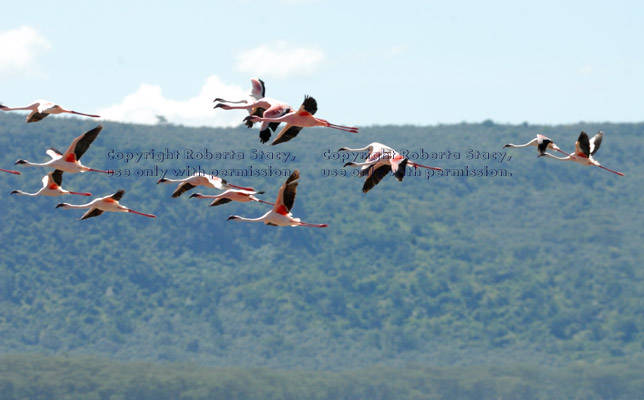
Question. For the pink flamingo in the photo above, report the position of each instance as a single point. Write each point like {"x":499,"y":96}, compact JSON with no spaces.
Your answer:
{"x":101,"y":204}
{"x":69,"y":161}
{"x":584,"y":150}
{"x":541,"y":142}
{"x":280,"y":214}
{"x":302,"y":118}
{"x":266,"y":108}
{"x":229,"y":195}
{"x":381,"y":160}
{"x":41,"y":109}
{"x":257,"y":91}
{"x":51,"y":186}
{"x":209,"y":181}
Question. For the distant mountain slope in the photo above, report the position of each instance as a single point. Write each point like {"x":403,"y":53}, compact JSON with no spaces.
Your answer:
{"x":541,"y":263}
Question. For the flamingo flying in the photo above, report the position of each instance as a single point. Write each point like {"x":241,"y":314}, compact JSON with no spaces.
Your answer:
{"x":280,"y":214}
{"x":209,"y":181}
{"x":101,"y":204}
{"x":585,"y":148}
{"x":381,"y":160}
{"x":10,"y":171}
{"x":51,"y":186}
{"x":266,"y":108}
{"x":42,"y":108}
{"x":296,"y":120}
{"x":69,"y":161}
{"x":231,"y":195}
{"x":541,"y":142}
{"x":257,"y":91}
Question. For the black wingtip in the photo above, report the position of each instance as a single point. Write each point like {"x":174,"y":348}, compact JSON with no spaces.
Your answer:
{"x":310,"y":104}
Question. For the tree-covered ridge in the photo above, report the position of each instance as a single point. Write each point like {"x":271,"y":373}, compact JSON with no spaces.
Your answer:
{"x":541,"y":266}
{"x":38,"y":377}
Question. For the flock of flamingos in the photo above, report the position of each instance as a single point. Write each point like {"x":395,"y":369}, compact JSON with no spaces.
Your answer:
{"x":380,"y":161}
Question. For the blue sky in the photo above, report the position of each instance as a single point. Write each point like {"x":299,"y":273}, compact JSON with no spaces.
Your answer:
{"x":403,"y":62}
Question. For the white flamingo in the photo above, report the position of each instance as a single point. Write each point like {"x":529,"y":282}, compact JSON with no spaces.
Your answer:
{"x":51,"y":186}
{"x":101,"y":204}
{"x":42,"y":108}
{"x":381,"y":160}
{"x":296,"y":120}
{"x":69,"y":161}
{"x":257,"y":91}
{"x":585,"y":148}
{"x":229,"y":195}
{"x":280,"y":214}
{"x":209,"y":181}
{"x":265,"y":108}
{"x":541,"y":142}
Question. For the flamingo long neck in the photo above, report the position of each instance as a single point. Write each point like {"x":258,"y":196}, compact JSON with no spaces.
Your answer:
{"x":229,"y":107}
{"x":169,"y":181}
{"x":568,"y":158}
{"x":26,"y":163}
{"x":25,"y":193}
{"x":361,"y":164}
{"x":533,"y":142}
{"x":5,"y":108}
{"x":243,"y":219}
{"x":76,"y":206}
{"x":368,"y":148}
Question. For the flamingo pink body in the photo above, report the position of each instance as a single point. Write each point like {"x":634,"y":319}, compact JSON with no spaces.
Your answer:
{"x":541,"y":142}
{"x":381,"y":160}
{"x":101,"y":204}
{"x":296,"y":120}
{"x":69,"y":161}
{"x":41,"y":109}
{"x":266,"y":108}
{"x":257,"y":91}
{"x":229,"y":195}
{"x":209,"y":181}
{"x":51,"y":186}
{"x":585,"y":148}
{"x":280,"y":214}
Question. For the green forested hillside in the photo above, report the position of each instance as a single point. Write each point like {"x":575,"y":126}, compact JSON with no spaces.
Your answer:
{"x":89,"y":378}
{"x":542,"y":266}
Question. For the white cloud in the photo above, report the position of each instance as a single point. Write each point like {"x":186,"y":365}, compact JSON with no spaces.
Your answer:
{"x":397,"y":50}
{"x":148,"y":102}
{"x":279,"y":60}
{"x":19,"y":48}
